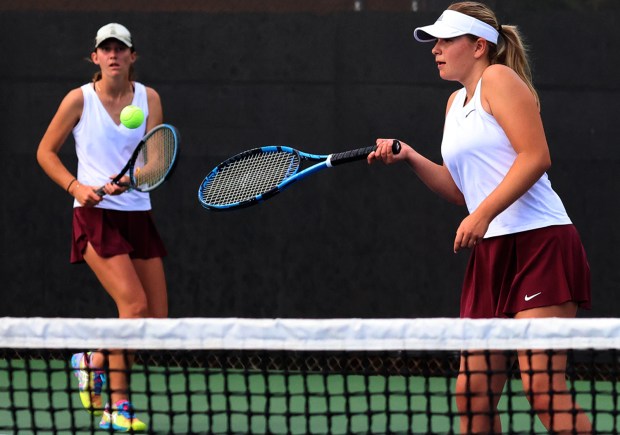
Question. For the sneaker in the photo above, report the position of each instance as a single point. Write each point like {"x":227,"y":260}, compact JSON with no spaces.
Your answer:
{"x":122,"y":419}
{"x":91,"y":382}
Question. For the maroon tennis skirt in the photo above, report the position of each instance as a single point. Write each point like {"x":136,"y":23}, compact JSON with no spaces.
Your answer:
{"x":531,"y":269}
{"x":113,"y":232}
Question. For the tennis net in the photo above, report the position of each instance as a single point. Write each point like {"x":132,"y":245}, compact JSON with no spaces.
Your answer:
{"x":302,"y":376}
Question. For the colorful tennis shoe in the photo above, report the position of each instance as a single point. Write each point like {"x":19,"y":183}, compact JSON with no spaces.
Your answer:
{"x":121,"y":418}
{"x":91,"y":382}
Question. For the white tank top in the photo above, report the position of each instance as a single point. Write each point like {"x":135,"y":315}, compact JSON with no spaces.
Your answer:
{"x":478,"y":155}
{"x":103,"y":148}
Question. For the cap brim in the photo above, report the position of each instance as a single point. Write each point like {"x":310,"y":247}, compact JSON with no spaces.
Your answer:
{"x":435,"y":31}
{"x":128,"y":44}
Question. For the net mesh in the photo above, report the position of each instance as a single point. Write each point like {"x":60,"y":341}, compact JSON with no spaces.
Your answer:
{"x":155,"y":159}
{"x":317,"y":376}
{"x":248,"y":175}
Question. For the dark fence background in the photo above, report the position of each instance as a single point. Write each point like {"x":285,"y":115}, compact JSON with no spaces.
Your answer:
{"x":322,"y":76}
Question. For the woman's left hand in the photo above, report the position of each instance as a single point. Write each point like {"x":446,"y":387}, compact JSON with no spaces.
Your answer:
{"x":470,"y":232}
{"x":117,"y":189}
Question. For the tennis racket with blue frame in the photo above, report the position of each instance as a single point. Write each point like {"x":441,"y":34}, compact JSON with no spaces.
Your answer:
{"x":258,"y":174}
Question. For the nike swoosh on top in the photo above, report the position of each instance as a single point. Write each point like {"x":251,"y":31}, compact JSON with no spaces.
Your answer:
{"x":528,"y":298}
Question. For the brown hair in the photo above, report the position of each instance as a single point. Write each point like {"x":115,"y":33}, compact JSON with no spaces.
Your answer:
{"x":510,"y":49}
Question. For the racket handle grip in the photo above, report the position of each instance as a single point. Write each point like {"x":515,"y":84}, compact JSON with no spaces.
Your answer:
{"x":396,"y":146}
{"x":101,"y":192}
{"x":359,"y":154}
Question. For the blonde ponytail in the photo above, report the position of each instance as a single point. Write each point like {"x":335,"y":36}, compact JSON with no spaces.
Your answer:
{"x":510,"y":49}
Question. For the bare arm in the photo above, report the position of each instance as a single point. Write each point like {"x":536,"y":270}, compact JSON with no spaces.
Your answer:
{"x":66,"y":117}
{"x":435,"y":176}
{"x":508,"y":99}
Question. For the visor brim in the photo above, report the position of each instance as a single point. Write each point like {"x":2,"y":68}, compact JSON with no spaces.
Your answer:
{"x":434,"y":32}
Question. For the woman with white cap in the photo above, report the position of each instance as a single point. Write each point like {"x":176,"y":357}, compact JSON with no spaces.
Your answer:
{"x":527,"y":259}
{"x":115,"y":233}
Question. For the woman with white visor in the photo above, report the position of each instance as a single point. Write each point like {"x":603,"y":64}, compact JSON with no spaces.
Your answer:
{"x":527,"y":260}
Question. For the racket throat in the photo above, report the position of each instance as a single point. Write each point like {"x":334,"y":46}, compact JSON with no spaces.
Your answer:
{"x":328,"y":161}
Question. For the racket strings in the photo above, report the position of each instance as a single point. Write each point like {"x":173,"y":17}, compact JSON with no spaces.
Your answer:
{"x":154,"y":160}
{"x":249,"y":176}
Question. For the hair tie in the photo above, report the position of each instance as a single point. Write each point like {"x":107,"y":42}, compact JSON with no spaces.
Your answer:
{"x":70,"y":184}
{"x":500,"y":29}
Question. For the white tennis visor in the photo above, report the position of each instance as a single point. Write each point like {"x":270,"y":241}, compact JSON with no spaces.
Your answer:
{"x":452,"y":24}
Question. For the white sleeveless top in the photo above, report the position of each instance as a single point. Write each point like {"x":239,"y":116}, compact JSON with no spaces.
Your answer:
{"x":103,"y":148}
{"x":478,"y":155}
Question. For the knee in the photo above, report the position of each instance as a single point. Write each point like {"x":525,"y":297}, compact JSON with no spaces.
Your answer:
{"x":472,"y":398}
{"x":537,"y":390}
{"x":540,"y":403}
{"x":539,"y":397}
{"x":136,"y":309}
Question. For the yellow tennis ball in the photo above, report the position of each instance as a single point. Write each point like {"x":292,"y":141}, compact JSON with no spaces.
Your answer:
{"x":132,"y":116}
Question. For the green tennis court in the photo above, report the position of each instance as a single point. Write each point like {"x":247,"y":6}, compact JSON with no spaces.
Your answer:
{"x":43,"y":395}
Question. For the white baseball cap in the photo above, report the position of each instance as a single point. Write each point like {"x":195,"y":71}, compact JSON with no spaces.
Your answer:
{"x":113,"y":31}
{"x":452,"y":24}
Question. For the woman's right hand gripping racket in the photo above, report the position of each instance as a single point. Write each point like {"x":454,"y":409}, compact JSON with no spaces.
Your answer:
{"x":152,"y":161}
